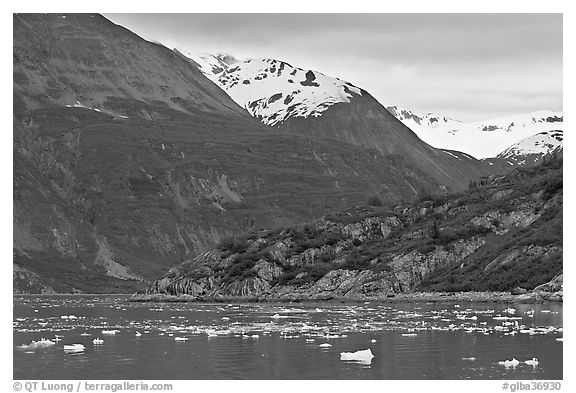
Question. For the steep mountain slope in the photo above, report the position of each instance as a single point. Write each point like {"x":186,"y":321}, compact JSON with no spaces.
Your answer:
{"x":65,"y":59}
{"x":483,"y":139}
{"x":128,"y":160}
{"x":310,"y":103}
{"x":503,"y":233}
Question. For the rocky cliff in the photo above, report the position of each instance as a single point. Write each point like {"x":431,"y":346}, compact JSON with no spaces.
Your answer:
{"x":504,"y":232}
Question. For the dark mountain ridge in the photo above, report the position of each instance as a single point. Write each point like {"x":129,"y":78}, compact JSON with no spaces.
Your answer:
{"x":64,"y":59}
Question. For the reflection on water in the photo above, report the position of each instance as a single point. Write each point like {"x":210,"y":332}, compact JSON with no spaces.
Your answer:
{"x":124,"y":340}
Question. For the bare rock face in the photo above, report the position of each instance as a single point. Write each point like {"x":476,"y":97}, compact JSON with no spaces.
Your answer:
{"x":551,"y":291}
{"x":555,"y":285}
{"x":247,"y":288}
{"x":411,"y":268}
{"x":267,"y":271}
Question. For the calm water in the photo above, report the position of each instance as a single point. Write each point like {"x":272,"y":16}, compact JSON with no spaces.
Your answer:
{"x":282,"y":341}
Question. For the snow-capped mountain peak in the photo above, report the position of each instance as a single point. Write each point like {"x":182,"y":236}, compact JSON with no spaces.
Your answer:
{"x":535,"y":147}
{"x":272,"y":90}
{"x":482,"y":139}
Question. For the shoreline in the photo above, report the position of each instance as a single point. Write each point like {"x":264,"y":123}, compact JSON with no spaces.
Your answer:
{"x":432,"y":297}
{"x":412,"y":297}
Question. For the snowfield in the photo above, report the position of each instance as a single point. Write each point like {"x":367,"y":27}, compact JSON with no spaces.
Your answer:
{"x":487,"y":138}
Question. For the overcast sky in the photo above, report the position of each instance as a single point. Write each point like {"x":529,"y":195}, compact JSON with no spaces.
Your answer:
{"x":467,"y":66}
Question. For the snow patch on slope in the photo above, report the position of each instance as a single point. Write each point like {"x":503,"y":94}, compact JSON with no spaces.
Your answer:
{"x":427,"y":121}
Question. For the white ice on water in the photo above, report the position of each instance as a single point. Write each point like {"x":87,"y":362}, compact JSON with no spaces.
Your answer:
{"x":363,"y":356}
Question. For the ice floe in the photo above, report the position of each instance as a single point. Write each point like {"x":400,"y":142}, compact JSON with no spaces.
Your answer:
{"x":532,"y":362}
{"x":74,"y":348}
{"x":363,"y":356}
{"x":42,"y":343}
{"x":509,"y":363}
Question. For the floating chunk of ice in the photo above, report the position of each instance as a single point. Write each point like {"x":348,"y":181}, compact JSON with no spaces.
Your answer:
{"x":74,"y":348}
{"x":471,"y":358}
{"x":364,"y":356}
{"x":532,"y":362}
{"x":97,"y":341}
{"x":325,"y":345}
{"x":42,"y":343}
{"x":509,"y":363}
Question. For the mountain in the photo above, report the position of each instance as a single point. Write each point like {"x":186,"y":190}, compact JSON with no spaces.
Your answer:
{"x":534,"y":149}
{"x":483,"y":139}
{"x":309,"y":103}
{"x":423,"y":122}
{"x":127,"y":160}
{"x":273,"y":91}
{"x":68,"y":59}
{"x":504,"y":233}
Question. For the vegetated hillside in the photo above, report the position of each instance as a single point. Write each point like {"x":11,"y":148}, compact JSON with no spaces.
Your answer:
{"x":127,"y":160}
{"x":504,"y":232}
{"x":64,"y":59}
{"x":309,"y":103}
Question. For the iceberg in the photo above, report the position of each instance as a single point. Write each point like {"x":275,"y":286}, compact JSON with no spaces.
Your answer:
{"x":509,"y":363}
{"x":532,"y":362}
{"x":74,"y":348}
{"x":364,"y":356}
{"x":42,"y":343}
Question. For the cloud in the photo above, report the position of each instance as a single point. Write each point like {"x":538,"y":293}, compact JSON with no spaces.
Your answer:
{"x":471,"y":65}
